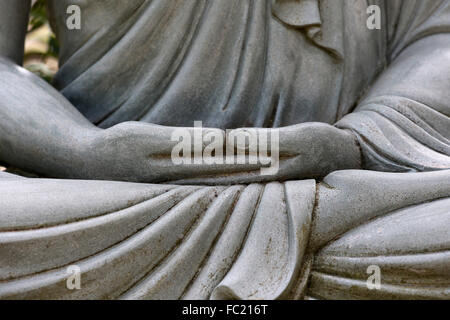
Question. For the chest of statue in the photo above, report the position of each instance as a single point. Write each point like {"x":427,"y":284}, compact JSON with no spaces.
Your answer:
{"x":226,"y":63}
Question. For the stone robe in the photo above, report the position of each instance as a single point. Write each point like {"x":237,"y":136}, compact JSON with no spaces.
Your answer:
{"x":233,"y":64}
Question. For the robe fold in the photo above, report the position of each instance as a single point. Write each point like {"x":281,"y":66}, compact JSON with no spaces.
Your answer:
{"x":238,"y":63}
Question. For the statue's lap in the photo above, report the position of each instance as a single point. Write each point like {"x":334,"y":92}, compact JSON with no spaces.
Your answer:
{"x":258,"y":241}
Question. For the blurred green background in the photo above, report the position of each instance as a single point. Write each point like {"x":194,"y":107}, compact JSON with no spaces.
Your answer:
{"x":41,"y":47}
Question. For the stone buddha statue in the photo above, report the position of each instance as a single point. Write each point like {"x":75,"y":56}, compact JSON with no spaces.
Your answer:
{"x":362,"y":116}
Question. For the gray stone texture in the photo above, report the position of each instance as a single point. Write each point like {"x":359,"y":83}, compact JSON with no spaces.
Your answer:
{"x":364,"y":123}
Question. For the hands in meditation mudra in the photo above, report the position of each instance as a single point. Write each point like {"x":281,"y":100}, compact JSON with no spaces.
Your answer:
{"x":364,"y":152}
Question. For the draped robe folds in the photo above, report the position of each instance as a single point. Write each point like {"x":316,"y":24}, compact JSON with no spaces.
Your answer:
{"x":233,"y":64}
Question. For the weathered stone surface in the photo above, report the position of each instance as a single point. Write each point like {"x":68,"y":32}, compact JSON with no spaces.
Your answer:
{"x":342,"y":96}
{"x":410,"y":246}
{"x":155,"y":249}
